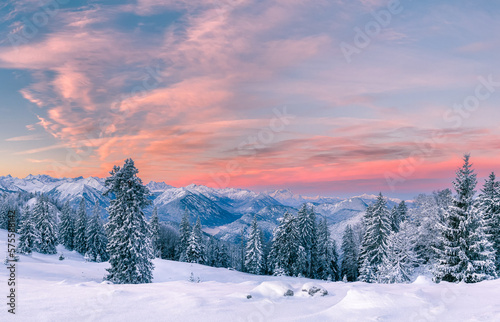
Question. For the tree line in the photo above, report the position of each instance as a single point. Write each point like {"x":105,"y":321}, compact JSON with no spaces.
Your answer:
{"x":456,"y":236}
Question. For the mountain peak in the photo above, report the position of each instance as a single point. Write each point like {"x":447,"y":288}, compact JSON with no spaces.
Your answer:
{"x":158,"y":186}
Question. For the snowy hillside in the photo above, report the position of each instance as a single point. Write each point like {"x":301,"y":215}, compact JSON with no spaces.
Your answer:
{"x":72,"y":290}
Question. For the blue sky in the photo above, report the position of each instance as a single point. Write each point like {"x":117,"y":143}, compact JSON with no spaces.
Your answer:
{"x":191,"y":90}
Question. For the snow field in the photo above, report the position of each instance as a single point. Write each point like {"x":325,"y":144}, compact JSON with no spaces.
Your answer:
{"x":73,"y":290}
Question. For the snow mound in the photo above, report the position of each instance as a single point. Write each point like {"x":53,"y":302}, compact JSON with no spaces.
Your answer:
{"x":273,"y":289}
{"x":422,"y":280}
{"x":361,"y":300}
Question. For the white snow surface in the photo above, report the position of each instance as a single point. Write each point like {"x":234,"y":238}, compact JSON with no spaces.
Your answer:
{"x":73,"y":290}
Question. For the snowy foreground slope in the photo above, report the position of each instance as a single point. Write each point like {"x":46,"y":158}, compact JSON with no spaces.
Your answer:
{"x":72,"y":290}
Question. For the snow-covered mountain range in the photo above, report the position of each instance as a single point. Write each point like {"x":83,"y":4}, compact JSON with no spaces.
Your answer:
{"x":224,"y":212}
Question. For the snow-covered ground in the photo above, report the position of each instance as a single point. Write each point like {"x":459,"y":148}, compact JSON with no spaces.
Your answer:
{"x":73,"y":290}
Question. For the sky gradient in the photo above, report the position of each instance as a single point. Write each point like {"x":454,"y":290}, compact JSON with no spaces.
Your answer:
{"x":322,"y":97}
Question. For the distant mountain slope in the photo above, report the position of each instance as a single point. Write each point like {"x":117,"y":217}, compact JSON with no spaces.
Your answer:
{"x":223,"y":212}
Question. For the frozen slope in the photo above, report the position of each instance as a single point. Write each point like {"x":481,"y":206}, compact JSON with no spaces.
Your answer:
{"x":72,"y":290}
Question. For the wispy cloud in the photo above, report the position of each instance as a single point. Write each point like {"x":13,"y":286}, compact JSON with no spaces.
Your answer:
{"x":34,"y":137}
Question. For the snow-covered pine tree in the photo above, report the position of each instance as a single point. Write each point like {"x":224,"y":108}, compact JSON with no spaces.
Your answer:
{"x":467,"y":254}
{"x":242,"y":248}
{"x":307,"y":234}
{"x":287,"y":254}
{"x":195,"y":252}
{"x":129,"y":245}
{"x":400,"y":259}
{"x":333,"y":261}
{"x":398,"y":214}
{"x":67,"y":227}
{"x":349,"y":266}
{"x":254,"y":259}
{"x":403,"y":211}
{"x":185,"y":233}
{"x":97,"y":240}
{"x":321,"y":268}
{"x":373,"y":248}
{"x":211,"y":250}
{"x":489,"y":205}
{"x":223,"y":259}
{"x":154,"y":228}
{"x":28,"y":237}
{"x":80,"y":243}
{"x":394,"y":216}
{"x":45,"y":224}
{"x":326,"y":265}
{"x":426,"y":216}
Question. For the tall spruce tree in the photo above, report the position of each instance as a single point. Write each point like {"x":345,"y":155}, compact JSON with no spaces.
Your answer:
{"x":373,"y":249}
{"x":185,"y":232}
{"x":80,"y":243}
{"x":195,"y":252}
{"x":67,"y":227}
{"x":398,"y":214}
{"x":287,"y":256}
{"x":400,"y":260}
{"x":45,"y":225}
{"x":254,"y":259}
{"x":97,"y":240}
{"x":154,"y":228}
{"x":129,"y":243}
{"x":427,"y":214}
{"x":307,"y":234}
{"x":326,"y":264}
{"x":467,"y":254}
{"x":27,"y":233}
{"x":489,"y":205}
{"x":349,"y":266}
{"x":321,"y":269}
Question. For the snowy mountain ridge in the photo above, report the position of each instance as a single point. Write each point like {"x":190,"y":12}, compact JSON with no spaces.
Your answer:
{"x":224,"y":211}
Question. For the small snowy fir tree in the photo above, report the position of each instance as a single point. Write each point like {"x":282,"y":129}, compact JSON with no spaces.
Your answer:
{"x":400,"y":260}
{"x":489,"y":205}
{"x":67,"y":227}
{"x":154,"y":229}
{"x":223,"y":259}
{"x":242,"y":248}
{"x":185,"y":235}
{"x":254,"y":260}
{"x":97,"y":240}
{"x":403,"y":211}
{"x":333,"y":261}
{"x":27,"y":233}
{"x":394,"y":217}
{"x":349,"y":249}
{"x":467,"y":254}
{"x":80,"y":243}
{"x":195,"y":252}
{"x":129,"y":245}
{"x":46,"y":228}
{"x":373,"y":249}
{"x":398,"y":215}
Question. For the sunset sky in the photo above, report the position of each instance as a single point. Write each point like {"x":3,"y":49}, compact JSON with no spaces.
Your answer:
{"x":254,"y":94}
